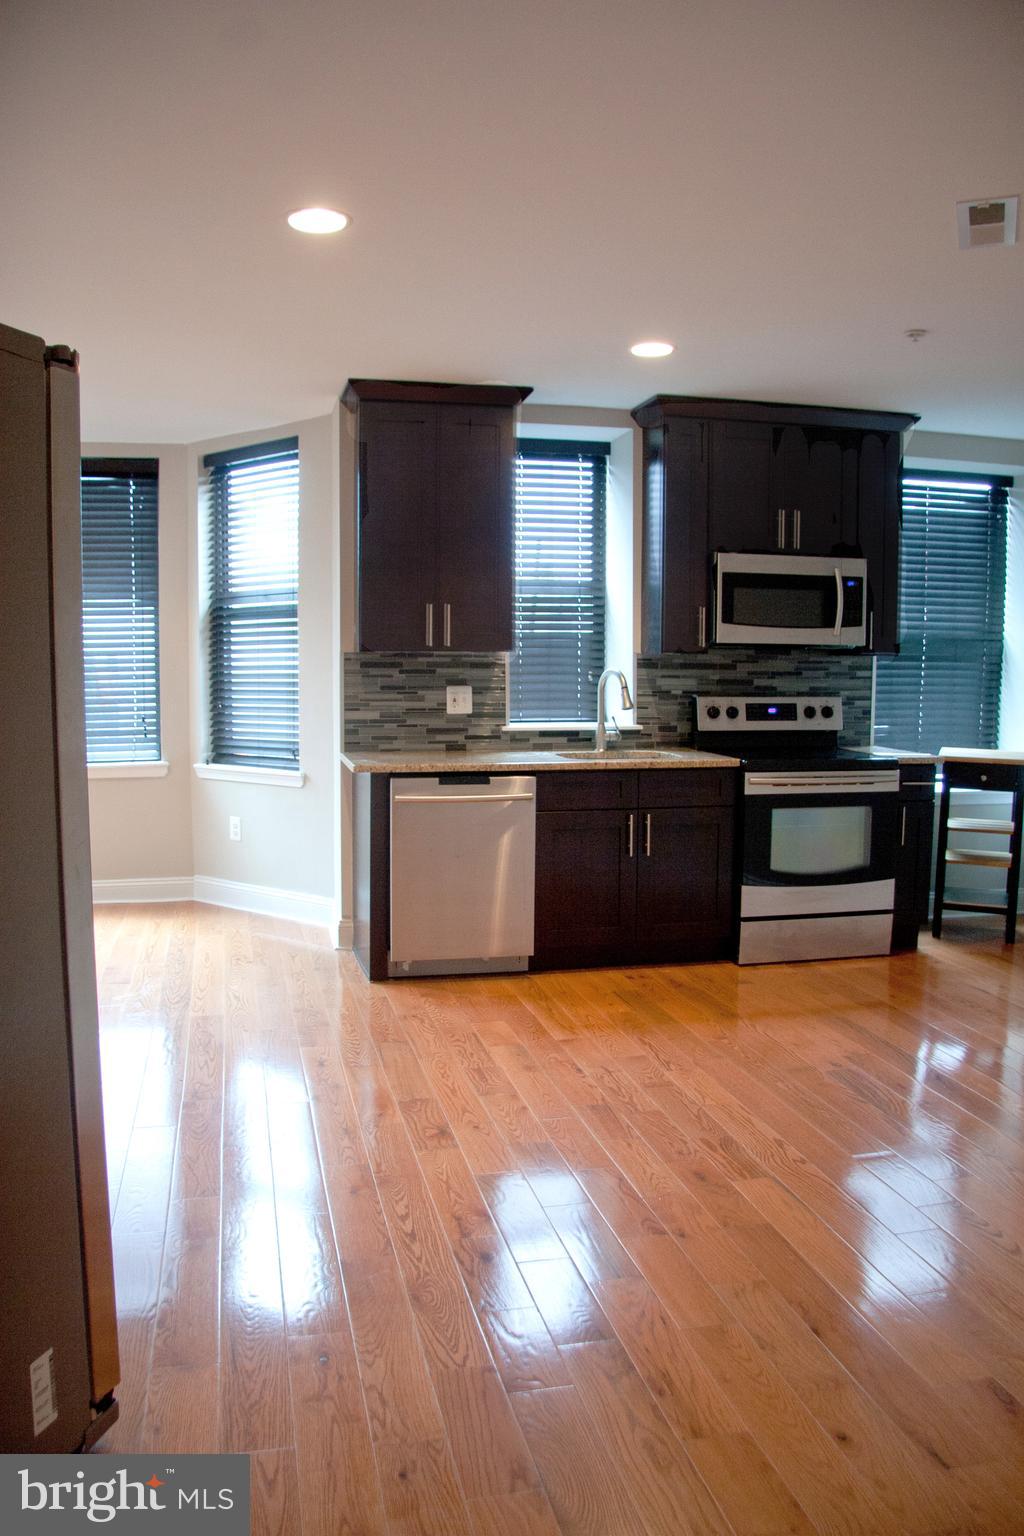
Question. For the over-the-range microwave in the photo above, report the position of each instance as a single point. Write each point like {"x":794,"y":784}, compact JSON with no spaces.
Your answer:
{"x":790,"y":600}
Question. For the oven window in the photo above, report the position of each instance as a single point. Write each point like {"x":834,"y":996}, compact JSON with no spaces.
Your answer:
{"x":820,"y":840}
{"x":779,"y":602}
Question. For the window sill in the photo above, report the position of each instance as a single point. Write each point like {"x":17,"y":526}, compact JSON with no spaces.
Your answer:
{"x":521,"y":727}
{"x":158,"y":770}
{"x":233,"y":773}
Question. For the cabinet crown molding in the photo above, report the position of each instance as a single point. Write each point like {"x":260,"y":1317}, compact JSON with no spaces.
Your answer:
{"x":659,"y":408}
{"x":427,"y":392}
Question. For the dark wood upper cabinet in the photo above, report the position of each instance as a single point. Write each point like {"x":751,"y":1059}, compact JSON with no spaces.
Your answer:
{"x":434,"y":514}
{"x":675,"y":597}
{"x":754,"y":477}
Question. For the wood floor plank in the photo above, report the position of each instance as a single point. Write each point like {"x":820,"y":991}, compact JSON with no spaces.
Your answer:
{"x":274,"y":1493}
{"x":588,"y":1496}
{"x":339,"y":1494}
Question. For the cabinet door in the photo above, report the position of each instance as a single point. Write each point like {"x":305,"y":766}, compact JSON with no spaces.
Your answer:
{"x":677,"y":578}
{"x":476,"y":448}
{"x":743,"y":504}
{"x":913,"y":871}
{"x":684,"y":879}
{"x":809,"y":487}
{"x":586,"y":884}
{"x":879,"y":516}
{"x":397,"y":523}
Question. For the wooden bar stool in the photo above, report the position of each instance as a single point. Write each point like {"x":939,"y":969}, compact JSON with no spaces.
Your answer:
{"x":967,"y":768}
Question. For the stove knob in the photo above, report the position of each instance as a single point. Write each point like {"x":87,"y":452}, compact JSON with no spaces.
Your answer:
{"x":827,"y":711}
{"x":713,"y":711}
{"x":732,"y":712}
{"x":810,"y":711}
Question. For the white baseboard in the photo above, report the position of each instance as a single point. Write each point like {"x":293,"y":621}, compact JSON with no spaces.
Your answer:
{"x":170,"y":888}
{"x":319,"y":911}
{"x":345,"y":934}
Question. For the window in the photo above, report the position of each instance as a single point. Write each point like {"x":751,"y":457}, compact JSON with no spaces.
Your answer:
{"x":120,"y":611}
{"x":254,"y":614}
{"x":943,"y":687}
{"x":560,"y":580}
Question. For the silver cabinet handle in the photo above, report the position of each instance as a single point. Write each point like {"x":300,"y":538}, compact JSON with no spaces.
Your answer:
{"x":702,"y":627}
{"x":430,"y":624}
{"x":647,"y":834}
{"x":448,"y":624}
{"x":871,"y":630}
{"x":632,"y":822}
{"x":796,"y":527}
{"x":780,"y":528}
{"x":839,"y":602}
{"x":903,"y":828}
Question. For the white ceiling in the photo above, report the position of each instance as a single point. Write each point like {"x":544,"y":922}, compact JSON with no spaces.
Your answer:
{"x":534,"y":185}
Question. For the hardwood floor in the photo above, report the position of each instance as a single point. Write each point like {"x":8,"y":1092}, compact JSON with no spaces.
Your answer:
{"x":659,"y":1251}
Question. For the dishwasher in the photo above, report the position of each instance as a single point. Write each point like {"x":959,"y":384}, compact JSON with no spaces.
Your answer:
{"x":462,"y":874}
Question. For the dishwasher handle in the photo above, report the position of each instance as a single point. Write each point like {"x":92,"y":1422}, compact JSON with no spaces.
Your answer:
{"x":460,"y":799}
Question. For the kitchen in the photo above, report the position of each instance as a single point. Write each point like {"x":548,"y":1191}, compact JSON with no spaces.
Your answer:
{"x":596,"y":1150}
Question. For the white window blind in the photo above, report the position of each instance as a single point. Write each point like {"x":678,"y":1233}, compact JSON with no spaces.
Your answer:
{"x":120,"y":610}
{"x":253,"y":614}
{"x":559,"y":580}
{"x":943,"y":687}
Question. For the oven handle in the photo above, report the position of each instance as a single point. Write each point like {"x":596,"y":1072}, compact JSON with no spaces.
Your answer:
{"x":839,"y":783}
{"x":840,"y":602}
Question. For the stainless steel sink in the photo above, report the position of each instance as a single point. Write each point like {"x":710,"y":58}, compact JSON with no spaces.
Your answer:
{"x":617,"y":754}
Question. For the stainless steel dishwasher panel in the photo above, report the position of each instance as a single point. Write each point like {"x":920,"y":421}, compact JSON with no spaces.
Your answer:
{"x":462,"y":874}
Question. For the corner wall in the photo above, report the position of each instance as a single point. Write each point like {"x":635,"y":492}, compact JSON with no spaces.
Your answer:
{"x":155,"y":838}
{"x":288,"y":835}
{"x":141,"y":828}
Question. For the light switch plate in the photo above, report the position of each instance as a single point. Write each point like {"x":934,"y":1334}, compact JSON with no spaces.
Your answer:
{"x":460,"y":701}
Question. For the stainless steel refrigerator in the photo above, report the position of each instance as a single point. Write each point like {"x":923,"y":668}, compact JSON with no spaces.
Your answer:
{"x":58,"y":1338}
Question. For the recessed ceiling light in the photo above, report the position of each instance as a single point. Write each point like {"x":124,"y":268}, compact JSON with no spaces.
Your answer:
{"x":318,"y":221}
{"x":652,"y":349}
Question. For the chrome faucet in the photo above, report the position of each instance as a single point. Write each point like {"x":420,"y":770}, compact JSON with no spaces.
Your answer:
{"x":601,"y":734}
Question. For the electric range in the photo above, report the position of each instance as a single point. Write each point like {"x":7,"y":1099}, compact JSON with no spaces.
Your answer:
{"x":819,"y":828}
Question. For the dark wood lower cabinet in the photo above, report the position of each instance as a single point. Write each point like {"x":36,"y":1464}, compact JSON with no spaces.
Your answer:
{"x":683,"y":870}
{"x":913,"y":854}
{"x":586,"y":882}
{"x":642,"y":883}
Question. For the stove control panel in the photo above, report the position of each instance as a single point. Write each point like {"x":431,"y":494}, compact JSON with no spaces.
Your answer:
{"x":724,"y":712}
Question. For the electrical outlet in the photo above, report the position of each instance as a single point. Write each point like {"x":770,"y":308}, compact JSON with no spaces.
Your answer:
{"x":460,"y":701}
{"x":235,"y":828}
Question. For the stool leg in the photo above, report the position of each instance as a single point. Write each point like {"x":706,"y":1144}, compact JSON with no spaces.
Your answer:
{"x":940,"y":859}
{"x":1013,"y":873}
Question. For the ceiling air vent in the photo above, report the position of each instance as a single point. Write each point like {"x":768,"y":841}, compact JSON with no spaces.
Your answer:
{"x":989,"y":221}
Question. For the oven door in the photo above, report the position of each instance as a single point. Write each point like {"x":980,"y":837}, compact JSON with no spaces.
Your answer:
{"x":790,"y":600}
{"x":819,"y":842}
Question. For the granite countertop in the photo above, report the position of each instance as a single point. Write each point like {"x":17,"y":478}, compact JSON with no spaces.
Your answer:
{"x":433,"y":760}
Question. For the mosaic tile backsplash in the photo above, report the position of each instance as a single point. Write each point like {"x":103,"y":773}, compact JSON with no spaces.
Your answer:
{"x":397,"y":701}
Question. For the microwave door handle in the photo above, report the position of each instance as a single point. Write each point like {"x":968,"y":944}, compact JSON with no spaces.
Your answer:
{"x":839,"y":602}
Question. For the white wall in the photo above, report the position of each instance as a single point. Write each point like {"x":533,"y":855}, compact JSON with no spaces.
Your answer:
{"x":142,"y":827}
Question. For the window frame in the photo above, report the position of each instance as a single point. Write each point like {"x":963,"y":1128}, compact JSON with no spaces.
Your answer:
{"x":143,"y":554}
{"x":237,"y":756}
{"x":564,"y":447}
